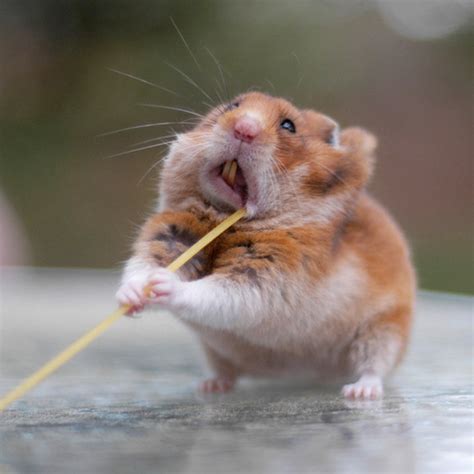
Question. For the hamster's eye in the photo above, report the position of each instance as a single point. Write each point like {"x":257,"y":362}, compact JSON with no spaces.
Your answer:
{"x":287,"y":124}
{"x":231,"y":106}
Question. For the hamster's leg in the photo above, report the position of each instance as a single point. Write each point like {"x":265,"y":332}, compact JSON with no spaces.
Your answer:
{"x":375,"y":353}
{"x":225,"y":374}
{"x":163,"y":238}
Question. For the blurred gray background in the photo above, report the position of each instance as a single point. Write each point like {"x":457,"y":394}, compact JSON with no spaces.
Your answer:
{"x":399,"y":68}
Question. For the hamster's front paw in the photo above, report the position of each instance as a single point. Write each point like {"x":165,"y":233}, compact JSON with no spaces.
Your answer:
{"x":158,"y":286}
{"x":165,"y":287}
{"x":132,"y":293}
{"x":368,"y":387}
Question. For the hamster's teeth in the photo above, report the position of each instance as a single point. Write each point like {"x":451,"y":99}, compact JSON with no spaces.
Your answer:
{"x":229,"y":172}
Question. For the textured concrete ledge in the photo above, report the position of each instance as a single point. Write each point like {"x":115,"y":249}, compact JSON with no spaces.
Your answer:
{"x":128,"y":404}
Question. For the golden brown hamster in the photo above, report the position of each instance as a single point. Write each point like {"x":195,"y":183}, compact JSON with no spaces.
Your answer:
{"x":316,"y":280}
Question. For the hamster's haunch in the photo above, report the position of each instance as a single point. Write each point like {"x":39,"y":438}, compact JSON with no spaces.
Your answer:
{"x":317,"y":280}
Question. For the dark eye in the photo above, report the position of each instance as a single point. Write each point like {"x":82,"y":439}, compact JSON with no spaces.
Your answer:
{"x":231,"y":106}
{"x":287,"y":124}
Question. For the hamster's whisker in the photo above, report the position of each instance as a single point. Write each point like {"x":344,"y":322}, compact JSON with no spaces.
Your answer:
{"x":144,"y":81}
{"x":154,"y":139}
{"x":270,"y":83}
{"x":218,"y":91}
{"x":185,"y":43}
{"x":138,"y":149}
{"x":198,"y":149}
{"x":195,"y":151}
{"x":221,"y":73}
{"x":151,"y":168}
{"x":189,"y":80}
{"x":177,"y":109}
{"x":301,"y":75}
{"x":145,"y":125}
{"x":174,"y":132}
{"x":221,"y":100}
{"x":195,"y":148}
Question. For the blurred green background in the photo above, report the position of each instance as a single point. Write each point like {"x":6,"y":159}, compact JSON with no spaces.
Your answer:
{"x":399,"y":68}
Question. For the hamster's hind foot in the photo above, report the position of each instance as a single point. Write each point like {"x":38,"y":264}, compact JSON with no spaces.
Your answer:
{"x":368,"y":387}
{"x":216,"y":385}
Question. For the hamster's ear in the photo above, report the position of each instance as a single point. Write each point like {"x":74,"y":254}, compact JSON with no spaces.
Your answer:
{"x":333,"y":135}
{"x":323,"y":126}
{"x":361,"y":145}
{"x":359,"y":141}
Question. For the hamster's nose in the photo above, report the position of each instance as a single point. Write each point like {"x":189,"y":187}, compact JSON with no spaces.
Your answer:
{"x":247,"y":128}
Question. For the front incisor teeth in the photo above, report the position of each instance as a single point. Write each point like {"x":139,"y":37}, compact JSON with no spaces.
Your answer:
{"x":229,"y":172}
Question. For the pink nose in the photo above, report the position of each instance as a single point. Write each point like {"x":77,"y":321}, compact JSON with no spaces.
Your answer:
{"x":247,"y":128}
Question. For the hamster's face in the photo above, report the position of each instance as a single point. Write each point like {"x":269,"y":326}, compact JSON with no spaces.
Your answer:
{"x":284,"y":155}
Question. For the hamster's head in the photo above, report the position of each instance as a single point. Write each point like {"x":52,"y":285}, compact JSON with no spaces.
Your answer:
{"x":288,"y":159}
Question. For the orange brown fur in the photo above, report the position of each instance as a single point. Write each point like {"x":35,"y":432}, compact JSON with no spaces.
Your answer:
{"x":329,"y":267}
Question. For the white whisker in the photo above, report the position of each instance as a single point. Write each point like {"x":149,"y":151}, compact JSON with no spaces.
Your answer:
{"x":300,"y":79}
{"x":221,"y":73}
{"x":144,"y":81}
{"x":138,"y":149}
{"x":150,"y":169}
{"x":197,"y":147}
{"x":145,"y":125}
{"x":270,"y":83}
{"x":173,"y":135}
{"x":178,"y":109}
{"x":188,"y":79}
{"x":185,"y":43}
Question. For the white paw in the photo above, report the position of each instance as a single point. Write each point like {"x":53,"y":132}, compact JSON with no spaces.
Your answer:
{"x":216,"y":385}
{"x":368,"y":387}
{"x":132,"y":293}
{"x":165,"y":287}
{"x":158,"y":286}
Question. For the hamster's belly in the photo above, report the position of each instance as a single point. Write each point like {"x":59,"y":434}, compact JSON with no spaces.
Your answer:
{"x":318,"y":359}
{"x":312,"y":334}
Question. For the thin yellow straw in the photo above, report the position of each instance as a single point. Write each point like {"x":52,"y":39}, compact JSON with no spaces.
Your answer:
{"x":81,"y":343}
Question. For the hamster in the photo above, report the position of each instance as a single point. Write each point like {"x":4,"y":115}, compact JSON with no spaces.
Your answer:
{"x":315,"y":281}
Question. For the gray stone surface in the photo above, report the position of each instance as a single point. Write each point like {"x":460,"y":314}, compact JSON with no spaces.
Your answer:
{"x":128,"y":403}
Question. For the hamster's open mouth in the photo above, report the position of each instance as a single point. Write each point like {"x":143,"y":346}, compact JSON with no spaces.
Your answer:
{"x":230,"y":182}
